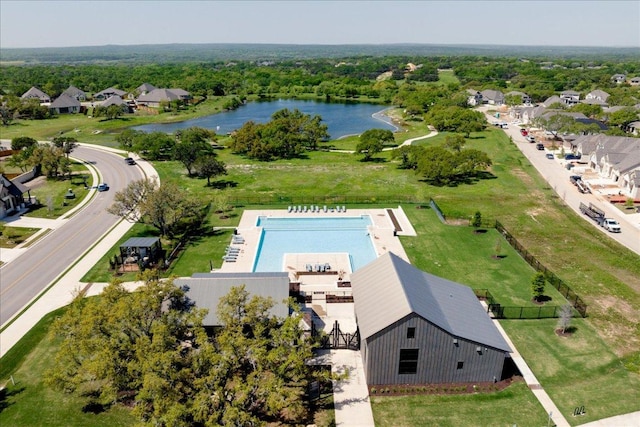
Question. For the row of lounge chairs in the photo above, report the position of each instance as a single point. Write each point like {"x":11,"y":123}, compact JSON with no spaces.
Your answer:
{"x":315,"y":209}
{"x":319,"y":268}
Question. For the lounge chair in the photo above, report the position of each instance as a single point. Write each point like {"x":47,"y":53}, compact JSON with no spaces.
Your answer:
{"x":289,"y":209}
{"x":344,"y":208}
{"x":337,"y":208}
{"x":327,"y":267}
{"x":324,"y":208}
{"x":299,"y":208}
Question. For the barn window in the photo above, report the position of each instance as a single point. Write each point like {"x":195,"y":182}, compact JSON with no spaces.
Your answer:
{"x":411,"y":332}
{"x":408,"y":361}
{"x":460,"y":365}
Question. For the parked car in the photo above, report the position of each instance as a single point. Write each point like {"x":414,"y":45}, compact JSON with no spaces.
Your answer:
{"x":103,"y":187}
{"x":524,"y":132}
{"x":575,"y":178}
{"x":572,"y":157}
{"x":129,"y":161}
{"x":611,"y":225}
{"x":530,"y":138}
{"x":540,"y":146}
{"x":550,"y":156}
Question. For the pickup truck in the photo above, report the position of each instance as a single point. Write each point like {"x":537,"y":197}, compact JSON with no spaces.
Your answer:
{"x":592,"y":212}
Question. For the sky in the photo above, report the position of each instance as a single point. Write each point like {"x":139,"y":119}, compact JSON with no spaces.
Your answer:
{"x":54,"y":23}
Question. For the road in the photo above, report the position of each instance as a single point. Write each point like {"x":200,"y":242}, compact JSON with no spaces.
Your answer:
{"x":557,"y":176}
{"x":29,"y":274}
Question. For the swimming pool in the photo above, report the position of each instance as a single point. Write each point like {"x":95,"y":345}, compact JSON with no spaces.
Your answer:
{"x":313,"y":235}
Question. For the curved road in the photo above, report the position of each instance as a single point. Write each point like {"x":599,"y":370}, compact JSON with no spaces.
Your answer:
{"x":26,"y":276}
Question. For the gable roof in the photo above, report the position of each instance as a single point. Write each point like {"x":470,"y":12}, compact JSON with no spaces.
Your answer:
{"x":14,"y":188}
{"x":34,"y":92}
{"x":113,"y":100}
{"x":145,"y":87}
{"x":110,"y":91}
{"x":389,"y":288}
{"x":158,"y":95}
{"x":65,"y":101}
{"x":74,"y":92}
{"x":206,"y":289}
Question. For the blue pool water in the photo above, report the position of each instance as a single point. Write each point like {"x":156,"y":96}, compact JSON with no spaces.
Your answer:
{"x":313,"y":235}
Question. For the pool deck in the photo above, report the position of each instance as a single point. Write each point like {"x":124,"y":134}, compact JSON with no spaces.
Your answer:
{"x":383,"y":234}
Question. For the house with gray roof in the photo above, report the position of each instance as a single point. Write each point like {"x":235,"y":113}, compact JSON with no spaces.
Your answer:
{"x":157,"y":96}
{"x":417,"y":328}
{"x":105,"y":94}
{"x":76,"y":93}
{"x":11,"y":196}
{"x":619,"y":78}
{"x":524,"y":98}
{"x":634,"y":81}
{"x":35,"y":93}
{"x":64,"y":104}
{"x":144,"y":89}
{"x":570,"y":97}
{"x":492,"y":97}
{"x":206,"y":289}
{"x":554,"y":99}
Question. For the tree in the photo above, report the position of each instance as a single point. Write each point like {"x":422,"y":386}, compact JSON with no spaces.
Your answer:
{"x":193,"y":143}
{"x":565,"y":315}
{"x":259,"y":370}
{"x":23,"y":143}
{"x":454,"y":142}
{"x":66,"y":143}
{"x":537,"y":286}
{"x":51,"y":159}
{"x":126,"y":203}
{"x":477,"y":220}
{"x":208,"y":166}
{"x":436,"y":164}
{"x":162,"y":206}
{"x":137,"y":346}
{"x":372,"y":141}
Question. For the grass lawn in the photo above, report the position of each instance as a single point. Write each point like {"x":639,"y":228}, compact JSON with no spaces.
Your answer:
{"x":30,"y":402}
{"x":509,"y":407}
{"x":13,"y":236}
{"x":580,"y":370}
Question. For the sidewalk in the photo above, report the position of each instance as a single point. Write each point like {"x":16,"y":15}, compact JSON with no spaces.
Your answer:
{"x":351,"y":396}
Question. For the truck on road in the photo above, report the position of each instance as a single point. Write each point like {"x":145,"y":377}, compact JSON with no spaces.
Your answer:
{"x":592,"y":212}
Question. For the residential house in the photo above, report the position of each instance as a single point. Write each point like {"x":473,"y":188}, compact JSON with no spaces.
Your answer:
{"x":65,"y":104}
{"x":570,"y":97}
{"x":76,"y":93}
{"x":635,"y":81}
{"x":596,"y":97}
{"x":105,"y":94}
{"x":144,"y":89}
{"x":619,"y":78}
{"x":35,"y":93}
{"x":417,"y":328}
{"x":613,"y":157}
{"x":474,"y":97}
{"x":116,"y":100}
{"x":554,"y":99}
{"x":633,"y":128}
{"x":11,"y":196}
{"x":525,"y":99}
{"x":157,"y":96}
{"x":492,"y":97}
{"x":206,"y":289}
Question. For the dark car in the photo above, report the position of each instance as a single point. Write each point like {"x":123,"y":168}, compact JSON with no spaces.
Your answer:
{"x":572,"y":157}
{"x":103,"y":187}
{"x":575,"y":178}
{"x":129,"y":161}
{"x":550,"y":156}
{"x":540,"y":146}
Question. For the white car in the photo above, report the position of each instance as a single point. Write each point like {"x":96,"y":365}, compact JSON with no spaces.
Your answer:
{"x":611,"y":225}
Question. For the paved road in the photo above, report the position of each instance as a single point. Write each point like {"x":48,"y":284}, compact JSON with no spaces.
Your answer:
{"x":558,"y":178}
{"x":26,"y":276}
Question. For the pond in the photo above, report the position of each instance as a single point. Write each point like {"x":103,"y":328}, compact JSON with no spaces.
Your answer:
{"x":341,"y":119}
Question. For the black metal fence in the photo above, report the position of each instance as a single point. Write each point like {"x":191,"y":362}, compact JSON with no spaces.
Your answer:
{"x":324,"y":200}
{"x":556,"y":282}
{"x":503,"y":312}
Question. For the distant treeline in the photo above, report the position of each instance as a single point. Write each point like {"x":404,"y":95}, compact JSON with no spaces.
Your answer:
{"x":164,"y":53}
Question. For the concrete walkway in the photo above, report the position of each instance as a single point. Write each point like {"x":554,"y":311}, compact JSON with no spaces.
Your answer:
{"x":626,"y":420}
{"x":351,"y":396}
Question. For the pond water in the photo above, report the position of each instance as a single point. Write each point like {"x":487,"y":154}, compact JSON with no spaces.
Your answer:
{"x":341,"y":119}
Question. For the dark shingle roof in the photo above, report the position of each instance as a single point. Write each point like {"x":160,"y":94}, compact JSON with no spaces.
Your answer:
{"x":65,"y":101}
{"x":140,"y":242}
{"x":389,"y":288}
